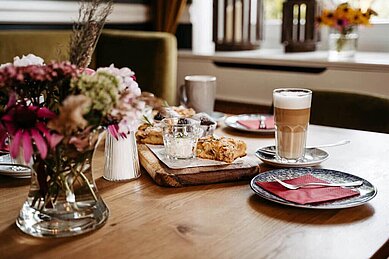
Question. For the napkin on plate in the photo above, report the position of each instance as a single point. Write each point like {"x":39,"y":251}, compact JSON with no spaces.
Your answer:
{"x":306,"y":195}
{"x":254,"y":124}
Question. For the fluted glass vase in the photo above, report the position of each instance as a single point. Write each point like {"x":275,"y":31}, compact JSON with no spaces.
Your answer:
{"x":343,"y":45}
{"x":63,"y":199}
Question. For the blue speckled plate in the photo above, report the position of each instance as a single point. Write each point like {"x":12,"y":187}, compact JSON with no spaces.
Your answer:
{"x":367,"y":190}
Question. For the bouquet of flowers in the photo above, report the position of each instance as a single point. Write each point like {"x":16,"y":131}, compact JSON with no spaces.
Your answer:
{"x":345,"y":18}
{"x":52,"y":115}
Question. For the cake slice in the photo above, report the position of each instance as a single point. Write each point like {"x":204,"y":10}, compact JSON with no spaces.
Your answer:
{"x":221,"y":149}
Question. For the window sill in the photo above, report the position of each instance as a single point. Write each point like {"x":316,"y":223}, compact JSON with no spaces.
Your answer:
{"x":363,"y":61}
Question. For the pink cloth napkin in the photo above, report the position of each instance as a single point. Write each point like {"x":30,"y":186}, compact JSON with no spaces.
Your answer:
{"x":254,"y":124}
{"x":311,"y":194}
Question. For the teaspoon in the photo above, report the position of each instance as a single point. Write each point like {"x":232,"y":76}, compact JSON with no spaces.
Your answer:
{"x":272,"y":150}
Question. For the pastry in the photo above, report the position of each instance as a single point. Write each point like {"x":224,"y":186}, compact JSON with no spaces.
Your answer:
{"x":221,"y":149}
{"x":174,"y":112}
{"x":184,"y":112}
{"x":151,"y":100}
{"x":149,"y":134}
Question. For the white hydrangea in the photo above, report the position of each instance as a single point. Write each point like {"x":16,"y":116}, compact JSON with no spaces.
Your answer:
{"x":125,"y":78}
{"x":28,"y":60}
{"x":5,"y":65}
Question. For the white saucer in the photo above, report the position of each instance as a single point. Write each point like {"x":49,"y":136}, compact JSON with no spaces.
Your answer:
{"x":313,"y":157}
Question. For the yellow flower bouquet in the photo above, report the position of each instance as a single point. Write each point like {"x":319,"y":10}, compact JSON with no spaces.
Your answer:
{"x":343,"y":21}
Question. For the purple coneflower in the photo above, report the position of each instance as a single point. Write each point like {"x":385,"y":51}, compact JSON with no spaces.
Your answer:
{"x":27,"y":126}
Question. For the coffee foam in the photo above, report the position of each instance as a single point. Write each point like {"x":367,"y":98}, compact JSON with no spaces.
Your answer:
{"x":292,"y":100}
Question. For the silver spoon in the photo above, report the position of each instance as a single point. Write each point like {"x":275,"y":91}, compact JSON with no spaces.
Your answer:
{"x":340,"y":143}
{"x":272,"y":151}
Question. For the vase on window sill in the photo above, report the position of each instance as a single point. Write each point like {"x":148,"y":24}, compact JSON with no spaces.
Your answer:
{"x":343,"y":44}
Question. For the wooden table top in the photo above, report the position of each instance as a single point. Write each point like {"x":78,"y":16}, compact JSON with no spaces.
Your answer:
{"x":220,"y":220}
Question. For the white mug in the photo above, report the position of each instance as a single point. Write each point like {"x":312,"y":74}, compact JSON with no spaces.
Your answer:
{"x":199,"y":93}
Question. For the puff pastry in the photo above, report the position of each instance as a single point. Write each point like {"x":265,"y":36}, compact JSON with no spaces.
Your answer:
{"x":149,"y":134}
{"x":221,"y":149}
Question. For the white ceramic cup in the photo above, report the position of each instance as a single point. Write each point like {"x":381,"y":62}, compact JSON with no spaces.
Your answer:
{"x":199,"y":93}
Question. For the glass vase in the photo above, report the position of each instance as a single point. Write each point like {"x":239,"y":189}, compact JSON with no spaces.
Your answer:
{"x":121,"y":158}
{"x":63,"y":199}
{"x":342,"y":45}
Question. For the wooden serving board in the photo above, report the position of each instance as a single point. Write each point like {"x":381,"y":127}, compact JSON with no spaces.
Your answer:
{"x":166,"y":176}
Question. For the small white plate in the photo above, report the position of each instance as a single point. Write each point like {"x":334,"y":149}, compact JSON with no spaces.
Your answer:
{"x":313,"y":157}
{"x":232,"y":122}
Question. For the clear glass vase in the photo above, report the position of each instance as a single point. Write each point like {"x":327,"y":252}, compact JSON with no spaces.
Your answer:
{"x":121,"y":158}
{"x":63,"y":199}
{"x":342,"y":45}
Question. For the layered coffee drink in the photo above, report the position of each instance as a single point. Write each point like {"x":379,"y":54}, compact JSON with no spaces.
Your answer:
{"x":291,"y":117}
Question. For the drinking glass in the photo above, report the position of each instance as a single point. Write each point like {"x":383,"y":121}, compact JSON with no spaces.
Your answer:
{"x":291,"y":117}
{"x":180,"y":137}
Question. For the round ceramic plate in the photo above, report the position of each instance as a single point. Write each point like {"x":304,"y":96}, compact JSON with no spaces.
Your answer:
{"x":15,"y":170}
{"x":7,"y":168}
{"x":367,"y":190}
{"x":232,"y":122}
{"x":313,"y":157}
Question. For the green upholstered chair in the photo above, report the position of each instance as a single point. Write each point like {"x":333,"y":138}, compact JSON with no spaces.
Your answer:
{"x":152,"y":55}
{"x":50,"y":45}
{"x":350,"y":110}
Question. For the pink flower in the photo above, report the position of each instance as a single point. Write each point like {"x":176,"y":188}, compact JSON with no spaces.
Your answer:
{"x":88,"y":71}
{"x":27,"y":127}
{"x":113,"y":129}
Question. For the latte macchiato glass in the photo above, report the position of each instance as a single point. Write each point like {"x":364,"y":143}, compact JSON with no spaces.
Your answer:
{"x":291,"y":117}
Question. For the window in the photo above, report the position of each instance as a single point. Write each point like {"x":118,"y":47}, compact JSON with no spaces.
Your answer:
{"x":382,"y":8}
{"x":273,"y":8}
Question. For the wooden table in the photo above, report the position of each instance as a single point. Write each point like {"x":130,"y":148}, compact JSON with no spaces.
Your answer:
{"x":221,"y":220}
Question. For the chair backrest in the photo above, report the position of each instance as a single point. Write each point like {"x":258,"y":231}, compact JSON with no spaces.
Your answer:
{"x":48,"y":44}
{"x":151,"y":55}
{"x":350,"y":110}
